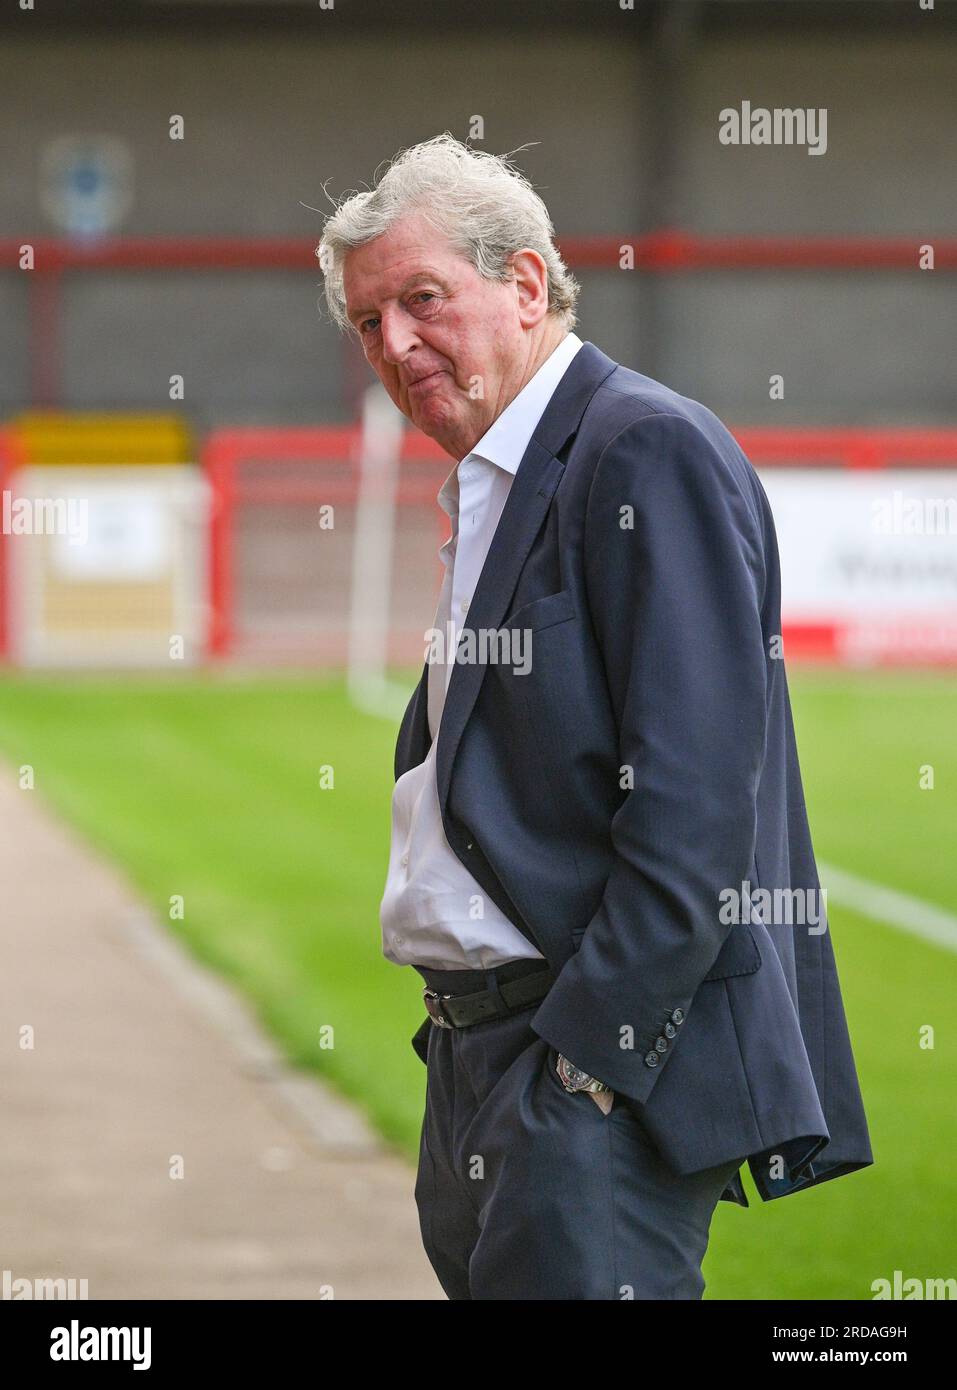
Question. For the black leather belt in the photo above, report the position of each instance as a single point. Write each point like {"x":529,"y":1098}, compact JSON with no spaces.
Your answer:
{"x":506,"y":997}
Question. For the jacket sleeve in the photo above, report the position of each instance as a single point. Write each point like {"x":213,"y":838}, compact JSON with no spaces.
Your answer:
{"x":674,"y":576}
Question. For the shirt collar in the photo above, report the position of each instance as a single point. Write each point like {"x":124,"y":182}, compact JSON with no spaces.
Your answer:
{"x":505,"y":441}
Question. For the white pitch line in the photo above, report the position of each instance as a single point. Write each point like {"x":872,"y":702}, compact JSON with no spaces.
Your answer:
{"x":887,"y":905}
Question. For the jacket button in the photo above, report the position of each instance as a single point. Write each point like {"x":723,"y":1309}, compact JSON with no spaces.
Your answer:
{"x":651,"y":1059}
{"x":678,"y":1016}
{"x":670,"y":1031}
{"x":661,"y":1044}
{"x":469,"y":845}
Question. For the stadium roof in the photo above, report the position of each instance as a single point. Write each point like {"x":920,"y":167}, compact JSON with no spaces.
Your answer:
{"x":752,"y":16}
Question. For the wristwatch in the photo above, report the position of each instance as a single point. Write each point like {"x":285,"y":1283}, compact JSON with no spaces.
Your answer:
{"x":574,"y":1079}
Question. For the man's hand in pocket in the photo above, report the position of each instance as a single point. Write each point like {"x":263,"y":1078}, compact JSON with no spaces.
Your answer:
{"x":603,"y":1099}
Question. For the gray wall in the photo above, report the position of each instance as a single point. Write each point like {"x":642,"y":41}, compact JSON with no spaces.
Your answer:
{"x":271,"y":116}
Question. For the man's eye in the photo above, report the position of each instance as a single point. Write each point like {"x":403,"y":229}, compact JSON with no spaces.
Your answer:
{"x":424,"y":294}
{"x":364,"y":325}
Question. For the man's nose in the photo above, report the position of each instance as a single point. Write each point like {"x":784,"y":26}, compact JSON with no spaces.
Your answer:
{"x":398,"y":337}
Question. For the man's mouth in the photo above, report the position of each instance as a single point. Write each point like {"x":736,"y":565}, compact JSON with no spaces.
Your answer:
{"x":422,"y":380}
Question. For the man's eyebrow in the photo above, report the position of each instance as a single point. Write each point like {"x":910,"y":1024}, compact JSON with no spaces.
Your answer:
{"x":407,"y":283}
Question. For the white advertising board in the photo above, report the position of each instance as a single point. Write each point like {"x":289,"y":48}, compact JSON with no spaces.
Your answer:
{"x":871,"y":557}
{"x":108,"y":565}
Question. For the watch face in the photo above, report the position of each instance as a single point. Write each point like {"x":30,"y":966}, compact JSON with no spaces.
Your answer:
{"x":574,"y":1076}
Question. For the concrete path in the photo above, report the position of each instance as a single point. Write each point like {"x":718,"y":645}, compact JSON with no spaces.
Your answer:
{"x":140,"y":1055}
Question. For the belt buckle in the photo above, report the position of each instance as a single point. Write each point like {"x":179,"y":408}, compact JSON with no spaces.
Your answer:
{"x":432,"y":998}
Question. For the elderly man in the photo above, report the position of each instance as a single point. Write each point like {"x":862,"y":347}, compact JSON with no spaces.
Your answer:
{"x":613,"y":1029}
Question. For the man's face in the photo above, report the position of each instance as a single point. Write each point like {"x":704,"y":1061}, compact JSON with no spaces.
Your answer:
{"x":447,"y":345}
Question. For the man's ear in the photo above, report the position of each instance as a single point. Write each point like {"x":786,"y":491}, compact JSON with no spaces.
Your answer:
{"x":530,"y":277}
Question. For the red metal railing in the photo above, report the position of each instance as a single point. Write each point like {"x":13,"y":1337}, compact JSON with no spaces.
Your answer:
{"x":238,"y":463}
{"x":225,"y":453}
{"x":854,"y":448}
{"x":425,"y":465}
{"x":667,"y":251}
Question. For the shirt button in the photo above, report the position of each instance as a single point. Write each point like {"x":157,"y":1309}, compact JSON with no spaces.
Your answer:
{"x":399,"y":941}
{"x":405,"y":859}
{"x":464,"y":605}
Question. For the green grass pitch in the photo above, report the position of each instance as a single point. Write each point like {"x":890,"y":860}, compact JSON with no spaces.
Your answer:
{"x":210,"y":786}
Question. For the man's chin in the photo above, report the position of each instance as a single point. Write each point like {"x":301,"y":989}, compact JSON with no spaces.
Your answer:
{"x":432,"y":417}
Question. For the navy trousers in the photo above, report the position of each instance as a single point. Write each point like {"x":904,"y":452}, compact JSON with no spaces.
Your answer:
{"x":526,"y":1191}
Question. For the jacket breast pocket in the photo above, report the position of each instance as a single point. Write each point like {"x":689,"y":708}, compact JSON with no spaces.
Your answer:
{"x":543,"y":612}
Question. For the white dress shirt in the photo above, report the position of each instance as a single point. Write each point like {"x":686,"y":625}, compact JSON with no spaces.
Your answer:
{"x":433,"y":912}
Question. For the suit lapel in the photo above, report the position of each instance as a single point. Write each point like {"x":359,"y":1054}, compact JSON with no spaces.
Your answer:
{"x":526,"y":506}
{"x":528,"y":500}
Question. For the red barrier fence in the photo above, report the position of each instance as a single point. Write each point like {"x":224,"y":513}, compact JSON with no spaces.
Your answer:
{"x":267,"y":484}
{"x":669,"y":251}
{"x":311,"y":467}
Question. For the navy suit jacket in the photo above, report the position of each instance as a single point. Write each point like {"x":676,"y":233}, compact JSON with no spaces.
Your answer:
{"x":645,"y":765}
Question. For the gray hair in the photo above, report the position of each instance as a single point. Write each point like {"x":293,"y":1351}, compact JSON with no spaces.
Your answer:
{"x":486,"y":208}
